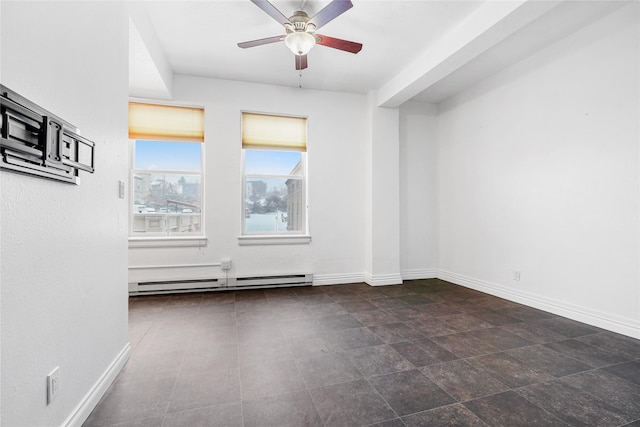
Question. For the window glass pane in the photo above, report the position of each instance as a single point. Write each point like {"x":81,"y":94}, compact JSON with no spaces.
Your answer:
{"x":168,"y":203}
{"x":273,"y":205}
{"x":270,"y":162}
{"x":168,"y":155}
{"x":172,"y":192}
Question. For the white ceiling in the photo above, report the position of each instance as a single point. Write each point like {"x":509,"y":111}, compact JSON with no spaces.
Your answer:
{"x":413,"y":49}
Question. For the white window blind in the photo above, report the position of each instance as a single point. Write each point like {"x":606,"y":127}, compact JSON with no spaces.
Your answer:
{"x":165,"y":122}
{"x":271,"y":132}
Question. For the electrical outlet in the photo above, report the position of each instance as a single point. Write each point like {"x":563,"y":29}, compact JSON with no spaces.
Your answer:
{"x":516,"y":275}
{"x":225,"y":264}
{"x":53,"y":385}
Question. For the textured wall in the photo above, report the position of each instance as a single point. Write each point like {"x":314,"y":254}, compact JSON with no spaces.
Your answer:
{"x":63,"y":247}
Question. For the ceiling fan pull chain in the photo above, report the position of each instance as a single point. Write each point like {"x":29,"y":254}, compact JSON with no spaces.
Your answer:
{"x":300,"y":80}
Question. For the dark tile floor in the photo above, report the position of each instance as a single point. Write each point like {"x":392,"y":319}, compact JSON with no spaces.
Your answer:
{"x":425,"y":353}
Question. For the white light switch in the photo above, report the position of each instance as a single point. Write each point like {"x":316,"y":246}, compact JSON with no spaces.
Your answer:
{"x":121,"y":189}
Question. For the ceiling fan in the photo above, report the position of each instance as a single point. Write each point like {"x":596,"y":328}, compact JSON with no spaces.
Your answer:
{"x":301,"y":33}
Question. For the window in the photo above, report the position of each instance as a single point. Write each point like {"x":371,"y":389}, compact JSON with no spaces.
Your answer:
{"x":274,"y":155}
{"x":166,"y":174}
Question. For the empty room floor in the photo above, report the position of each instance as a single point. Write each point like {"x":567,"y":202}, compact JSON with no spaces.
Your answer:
{"x":425,"y":353}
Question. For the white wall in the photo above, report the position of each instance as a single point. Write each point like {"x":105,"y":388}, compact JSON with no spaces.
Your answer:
{"x":383,"y":195}
{"x":336,"y":173}
{"x":63,"y":247}
{"x":418,"y":190}
{"x":539,"y":172}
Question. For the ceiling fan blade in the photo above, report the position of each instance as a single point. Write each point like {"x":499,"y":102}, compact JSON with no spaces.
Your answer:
{"x":331,"y":11}
{"x":271,"y":10}
{"x":260,"y":42}
{"x":345,"y":45}
{"x":301,"y":62}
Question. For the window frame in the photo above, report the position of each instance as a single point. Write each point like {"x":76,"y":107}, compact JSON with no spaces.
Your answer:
{"x":165,"y":238}
{"x":301,"y":236}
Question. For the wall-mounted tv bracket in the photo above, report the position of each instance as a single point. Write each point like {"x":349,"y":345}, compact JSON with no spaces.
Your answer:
{"x":36,"y":142}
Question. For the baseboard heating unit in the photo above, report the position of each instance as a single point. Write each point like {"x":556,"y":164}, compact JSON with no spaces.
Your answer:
{"x":271,"y":281}
{"x":175,"y":286}
{"x":220,"y":284}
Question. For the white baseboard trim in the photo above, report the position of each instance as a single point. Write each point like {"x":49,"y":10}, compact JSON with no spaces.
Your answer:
{"x":382,"y":279}
{"x":608,"y":321}
{"x":91,"y":399}
{"x":375,"y":280}
{"x":416,"y":274}
{"x":337,"y":279}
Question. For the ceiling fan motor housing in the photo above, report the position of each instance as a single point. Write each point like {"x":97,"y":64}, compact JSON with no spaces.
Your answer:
{"x":300,"y":23}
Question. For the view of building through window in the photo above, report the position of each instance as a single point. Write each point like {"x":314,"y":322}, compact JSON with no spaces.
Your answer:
{"x":274,"y":196}
{"x":167,"y":188}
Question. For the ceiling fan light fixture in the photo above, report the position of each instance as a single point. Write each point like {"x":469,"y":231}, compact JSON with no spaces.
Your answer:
{"x":300,"y":42}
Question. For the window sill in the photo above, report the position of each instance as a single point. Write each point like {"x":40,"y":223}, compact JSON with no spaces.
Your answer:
{"x":299,"y":239}
{"x":167,"y":242}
